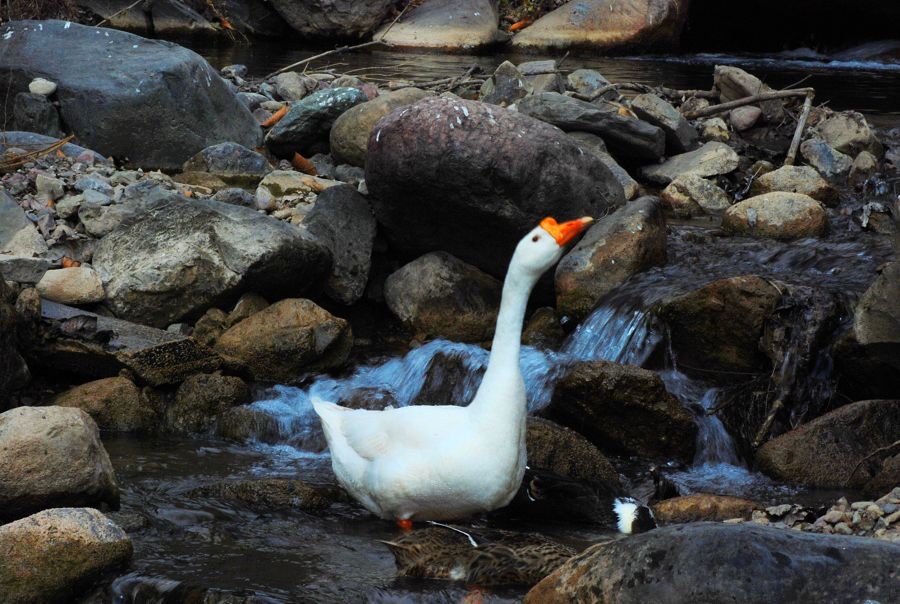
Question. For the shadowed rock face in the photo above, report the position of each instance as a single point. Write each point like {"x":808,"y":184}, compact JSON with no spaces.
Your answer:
{"x":154,"y":103}
{"x":711,"y":562}
{"x":471,"y":179}
{"x":333,"y":18}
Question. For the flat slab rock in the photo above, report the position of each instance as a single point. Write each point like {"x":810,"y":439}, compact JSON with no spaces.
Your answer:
{"x":446,"y":24}
{"x":711,"y":159}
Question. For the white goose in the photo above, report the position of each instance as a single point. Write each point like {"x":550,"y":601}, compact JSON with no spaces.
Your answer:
{"x":447,"y":462}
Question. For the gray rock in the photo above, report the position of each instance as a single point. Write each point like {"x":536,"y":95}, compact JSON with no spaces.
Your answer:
{"x":587,"y":81}
{"x":595,"y":144}
{"x":236,"y":196}
{"x":252,"y":100}
{"x":343,"y":220}
{"x":744,"y":118}
{"x":824,"y":158}
{"x":292,"y":86}
{"x":625,"y":137}
{"x":23,"y":270}
{"x":735,"y":83}
{"x":113,"y":84}
{"x":547,"y":82}
{"x":35,"y":113}
{"x":711,"y":159}
{"x":351,"y":175}
{"x":100,"y":218}
{"x":115,"y":403}
{"x":470,"y":179}
{"x":849,"y":132}
{"x":716,"y":562}
{"x":14,"y":371}
{"x":714,"y":129}
{"x":626,"y":242}
{"x":441,"y":296}
{"x":306,"y":127}
{"x":201,"y":398}
{"x":53,"y":457}
{"x":49,"y":188}
{"x":680,"y":134}
{"x":168,"y":17}
{"x":506,"y":86}
{"x":229,"y":249}
{"x":18,"y":236}
{"x":533,"y":68}
{"x":233,"y":163}
{"x":691,"y":195}
{"x":335,"y":18}
{"x":796,"y":179}
{"x":864,"y":166}
{"x":42,"y":87}
{"x":94,"y":183}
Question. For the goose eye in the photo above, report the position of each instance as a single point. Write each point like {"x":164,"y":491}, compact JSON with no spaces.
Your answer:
{"x":536,"y":237}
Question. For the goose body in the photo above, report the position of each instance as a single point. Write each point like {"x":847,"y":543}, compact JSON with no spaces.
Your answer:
{"x":447,"y":462}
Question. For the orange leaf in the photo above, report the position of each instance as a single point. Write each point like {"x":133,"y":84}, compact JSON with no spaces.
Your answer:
{"x":69,"y":263}
{"x":276,"y":117}
{"x":302,"y":164}
{"x":520,"y":25}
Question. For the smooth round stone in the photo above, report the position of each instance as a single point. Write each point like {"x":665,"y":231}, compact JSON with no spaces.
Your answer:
{"x":42,"y":87}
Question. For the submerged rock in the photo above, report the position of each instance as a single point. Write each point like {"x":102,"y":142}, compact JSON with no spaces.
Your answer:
{"x":272,"y":494}
{"x":778,"y":215}
{"x":114,"y":403}
{"x":114,"y":84}
{"x":838,"y":449}
{"x":445,"y":25}
{"x":470,"y":179}
{"x":614,"y":249}
{"x":442,"y":296}
{"x":711,"y":562}
{"x":54,"y":555}
{"x":52,"y":457}
{"x":624,"y":409}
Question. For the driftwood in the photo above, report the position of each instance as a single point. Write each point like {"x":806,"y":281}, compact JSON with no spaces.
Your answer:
{"x":9,"y":163}
{"x":798,"y":133}
{"x":767,"y":425}
{"x":749,"y":100}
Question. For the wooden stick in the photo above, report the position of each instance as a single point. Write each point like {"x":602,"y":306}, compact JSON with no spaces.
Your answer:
{"x":798,"y":133}
{"x":767,"y":425}
{"x":749,"y":100}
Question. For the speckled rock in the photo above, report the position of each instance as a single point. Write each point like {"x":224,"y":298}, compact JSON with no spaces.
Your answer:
{"x":306,"y":127}
{"x":333,"y":19}
{"x":796,"y":179}
{"x":445,"y":25}
{"x":778,"y":215}
{"x":270,"y":494}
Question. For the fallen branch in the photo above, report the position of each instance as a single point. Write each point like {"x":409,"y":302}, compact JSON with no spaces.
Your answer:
{"x":749,"y":100}
{"x":8,"y":164}
{"x":643,"y":88}
{"x":798,"y":133}
{"x":880,"y":451}
{"x":767,"y":425}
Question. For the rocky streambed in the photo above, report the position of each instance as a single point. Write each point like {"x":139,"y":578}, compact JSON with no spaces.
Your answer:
{"x":209,"y":250}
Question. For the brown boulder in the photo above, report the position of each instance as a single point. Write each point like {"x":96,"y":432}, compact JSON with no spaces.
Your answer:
{"x":558,"y":449}
{"x":778,"y":215}
{"x":114,"y":403}
{"x":201,"y":398}
{"x":796,"y":179}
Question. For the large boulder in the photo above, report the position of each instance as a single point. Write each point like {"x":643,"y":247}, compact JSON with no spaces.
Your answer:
{"x":628,"y":241}
{"x":471,"y":179}
{"x":333,"y":18}
{"x":839,"y":449}
{"x":796,"y":179}
{"x":442,"y":296}
{"x":720,"y":325}
{"x":445,"y":25}
{"x":343,"y":220}
{"x":625,"y":136}
{"x":868,"y":356}
{"x":183,"y":256}
{"x":624,"y":409}
{"x":52,"y":457}
{"x":112,"y":85}
{"x":36,"y":113}
{"x":711,"y":159}
{"x":306,"y":126}
{"x":564,"y":452}
{"x":350,"y":132}
{"x":607,"y":25}
{"x":286,"y":339}
{"x":778,"y":215}
{"x":160,"y":17}
{"x":714,"y":562}
{"x":114,"y":403}
{"x":54,"y":555}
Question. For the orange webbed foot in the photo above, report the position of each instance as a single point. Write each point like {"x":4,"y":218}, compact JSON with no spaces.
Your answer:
{"x":405,"y":524}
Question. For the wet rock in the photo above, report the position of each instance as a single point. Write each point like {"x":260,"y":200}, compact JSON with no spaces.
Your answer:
{"x":625,"y":137}
{"x":445,"y":25}
{"x":506,"y":86}
{"x":594,"y":144}
{"x":185,"y":255}
{"x":848,"y":132}
{"x":286,"y":339}
{"x":490,"y":165}
{"x":442,"y":296}
{"x":115,"y":84}
{"x":719,"y":326}
{"x":824,"y":158}
{"x":76,"y":285}
{"x":87,"y":344}
{"x":52,"y":457}
{"x":343,"y":220}
{"x":543,"y":330}
{"x":796,"y":179}
{"x":233,"y":163}
{"x":713,"y":562}
{"x":306,"y":126}
{"x":680,"y":134}
{"x":624,"y":409}
{"x":272,"y":494}
{"x":292,"y":86}
{"x":832,"y":450}
{"x":564,"y":452}
{"x":868,"y":356}
{"x":734,"y":83}
{"x":54,"y":555}
{"x":778,"y":215}
{"x":586,"y":81}
{"x":692,"y":195}
{"x":334,"y":19}
{"x":628,"y":241}
{"x":35,"y":113}
{"x":115,"y":403}
{"x":702,"y":506}
{"x":744,"y":118}
{"x":864,"y":166}
{"x":350,"y":133}
{"x":714,"y":129}
{"x":605,"y":25}
{"x":201,"y":398}
{"x":711,"y":159}
{"x":245,"y":423}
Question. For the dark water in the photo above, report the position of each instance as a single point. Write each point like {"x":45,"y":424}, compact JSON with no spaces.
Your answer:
{"x":845,"y":81}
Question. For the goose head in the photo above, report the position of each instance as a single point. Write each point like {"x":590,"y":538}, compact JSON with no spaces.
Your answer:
{"x":546,"y":243}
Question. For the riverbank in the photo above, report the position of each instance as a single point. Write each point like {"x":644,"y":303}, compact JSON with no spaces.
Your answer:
{"x":322,"y":233}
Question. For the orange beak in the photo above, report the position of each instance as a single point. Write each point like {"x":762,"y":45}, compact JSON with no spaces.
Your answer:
{"x":567,"y":231}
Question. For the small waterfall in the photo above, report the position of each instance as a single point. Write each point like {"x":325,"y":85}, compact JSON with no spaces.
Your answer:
{"x":622,"y":334}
